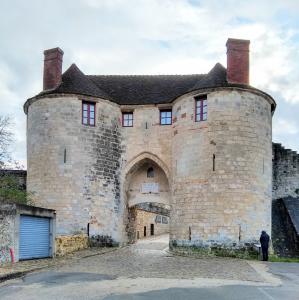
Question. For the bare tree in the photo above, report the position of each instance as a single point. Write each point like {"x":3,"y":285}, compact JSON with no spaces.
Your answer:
{"x":6,"y":138}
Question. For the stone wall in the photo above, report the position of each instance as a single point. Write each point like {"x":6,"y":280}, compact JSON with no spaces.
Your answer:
{"x":285,"y":172}
{"x":285,"y":237}
{"x":146,"y":136}
{"x":144,"y":221}
{"x":69,"y":244}
{"x":285,"y":178}
{"x":7,"y":232}
{"x":228,"y":204}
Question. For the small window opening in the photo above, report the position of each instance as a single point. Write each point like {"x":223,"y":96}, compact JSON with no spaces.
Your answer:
{"x":214,"y":157}
{"x":239,"y":233}
{"x":165,"y":117}
{"x":152,"y":229}
{"x":88,"y":113}
{"x":189,"y":233}
{"x":64,"y":156}
{"x":150,"y":172}
{"x":127,"y":119}
{"x":87,"y":229}
{"x":164,"y":220}
{"x":201,"y":108}
{"x":144,"y":231}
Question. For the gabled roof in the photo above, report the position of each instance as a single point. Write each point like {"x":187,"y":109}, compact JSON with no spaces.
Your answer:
{"x":138,"y":89}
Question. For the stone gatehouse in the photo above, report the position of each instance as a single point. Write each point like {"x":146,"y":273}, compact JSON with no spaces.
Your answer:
{"x":198,"y":145}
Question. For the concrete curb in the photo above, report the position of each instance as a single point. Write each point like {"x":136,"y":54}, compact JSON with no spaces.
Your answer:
{"x":19,"y":274}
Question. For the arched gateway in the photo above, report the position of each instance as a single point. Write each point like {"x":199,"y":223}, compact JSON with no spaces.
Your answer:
{"x":147,"y":194}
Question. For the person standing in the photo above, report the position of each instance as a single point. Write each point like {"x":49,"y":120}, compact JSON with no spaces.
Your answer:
{"x":264,"y":240}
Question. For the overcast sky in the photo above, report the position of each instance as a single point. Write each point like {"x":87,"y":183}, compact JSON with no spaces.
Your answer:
{"x":149,"y":37}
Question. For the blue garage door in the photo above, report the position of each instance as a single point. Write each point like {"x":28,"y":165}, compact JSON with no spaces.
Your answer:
{"x":34,"y":237}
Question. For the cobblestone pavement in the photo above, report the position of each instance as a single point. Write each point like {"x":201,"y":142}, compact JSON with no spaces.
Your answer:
{"x":146,"y":270}
{"x":149,"y":258}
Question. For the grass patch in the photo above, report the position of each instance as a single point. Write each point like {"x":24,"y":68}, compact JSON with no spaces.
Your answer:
{"x":275,"y":258}
{"x":200,"y":252}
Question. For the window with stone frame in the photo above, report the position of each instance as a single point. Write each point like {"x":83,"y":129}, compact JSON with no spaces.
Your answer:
{"x":201,"y":108}
{"x":166,"y":117}
{"x":88,"y":113}
{"x":127,"y":119}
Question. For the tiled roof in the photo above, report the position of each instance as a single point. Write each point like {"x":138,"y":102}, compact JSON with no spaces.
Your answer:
{"x":135,"y":89}
{"x":138,"y":89}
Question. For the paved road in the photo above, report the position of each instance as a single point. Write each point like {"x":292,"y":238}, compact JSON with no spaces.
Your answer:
{"x":147,"y":271}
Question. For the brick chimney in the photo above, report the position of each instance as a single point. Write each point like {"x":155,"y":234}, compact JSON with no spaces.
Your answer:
{"x":237,"y":61}
{"x":52,"y":68}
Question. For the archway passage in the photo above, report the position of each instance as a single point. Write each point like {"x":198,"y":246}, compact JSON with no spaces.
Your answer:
{"x":147,"y":220}
{"x":148,"y":198}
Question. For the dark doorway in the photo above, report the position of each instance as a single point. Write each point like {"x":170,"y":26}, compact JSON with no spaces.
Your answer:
{"x":152,"y":229}
{"x":144,"y":231}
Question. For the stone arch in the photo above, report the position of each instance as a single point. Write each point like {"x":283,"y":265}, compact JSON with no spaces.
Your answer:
{"x":135,"y":175}
{"x":137,"y":160}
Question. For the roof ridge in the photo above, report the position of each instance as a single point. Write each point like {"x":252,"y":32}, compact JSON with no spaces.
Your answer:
{"x":145,"y":75}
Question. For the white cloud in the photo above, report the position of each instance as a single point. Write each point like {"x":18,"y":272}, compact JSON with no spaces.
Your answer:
{"x":285,"y":127}
{"x":148,"y":37}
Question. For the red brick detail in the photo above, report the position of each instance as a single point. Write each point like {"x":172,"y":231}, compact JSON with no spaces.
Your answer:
{"x":52,"y":68}
{"x":238,"y":61}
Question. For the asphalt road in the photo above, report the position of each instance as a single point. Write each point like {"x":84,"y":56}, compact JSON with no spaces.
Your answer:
{"x":138,"y":273}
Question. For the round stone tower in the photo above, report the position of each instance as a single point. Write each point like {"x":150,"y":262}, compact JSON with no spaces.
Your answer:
{"x":222,"y":167}
{"x":74,"y":168}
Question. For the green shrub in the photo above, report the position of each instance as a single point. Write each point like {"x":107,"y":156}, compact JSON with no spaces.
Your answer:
{"x":10,"y":191}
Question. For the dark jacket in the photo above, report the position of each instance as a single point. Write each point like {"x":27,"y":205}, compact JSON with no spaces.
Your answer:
{"x":264,"y":239}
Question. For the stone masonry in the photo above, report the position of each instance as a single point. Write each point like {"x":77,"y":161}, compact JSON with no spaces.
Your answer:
{"x":285,"y":202}
{"x":285,"y":172}
{"x":74,"y":169}
{"x":231,"y":203}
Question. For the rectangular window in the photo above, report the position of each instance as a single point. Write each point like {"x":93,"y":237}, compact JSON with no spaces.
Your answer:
{"x":127,"y":119}
{"x":164,"y":220}
{"x":201,"y":109}
{"x":165,"y":117}
{"x":88,"y":113}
